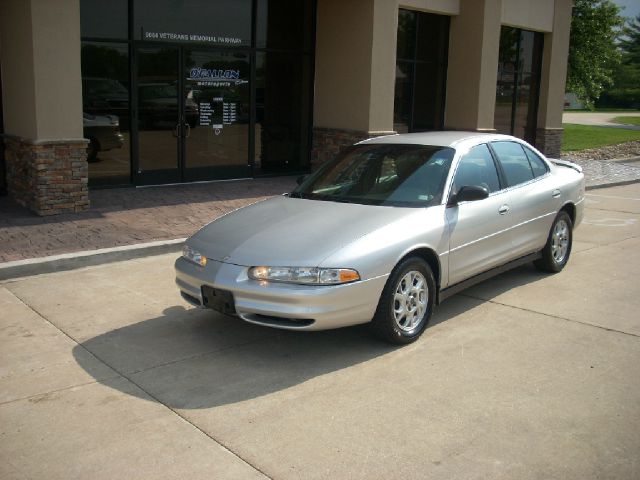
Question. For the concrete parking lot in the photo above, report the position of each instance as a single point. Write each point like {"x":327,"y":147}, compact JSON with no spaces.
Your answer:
{"x":106,"y":373}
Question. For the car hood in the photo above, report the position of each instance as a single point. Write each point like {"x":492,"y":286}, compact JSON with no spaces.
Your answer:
{"x":287,"y":231}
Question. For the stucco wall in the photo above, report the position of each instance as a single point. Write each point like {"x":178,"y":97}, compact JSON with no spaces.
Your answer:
{"x":443,"y":7}
{"x":343,"y":64}
{"x":18,"y":83}
{"x":42,"y":86}
{"x":528,"y":14}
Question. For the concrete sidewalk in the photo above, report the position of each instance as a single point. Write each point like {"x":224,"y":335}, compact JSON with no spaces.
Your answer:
{"x":127,"y":223}
{"x":107,"y":373}
{"x":600,"y":119}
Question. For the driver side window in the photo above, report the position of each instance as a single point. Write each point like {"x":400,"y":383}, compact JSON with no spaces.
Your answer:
{"x":477,"y":168}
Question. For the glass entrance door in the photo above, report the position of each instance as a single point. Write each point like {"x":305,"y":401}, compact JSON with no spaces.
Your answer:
{"x":192,"y":111}
{"x":216,"y":108}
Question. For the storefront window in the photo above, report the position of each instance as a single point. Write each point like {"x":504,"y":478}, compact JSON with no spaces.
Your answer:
{"x":517,"y":88}
{"x":421,"y":71}
{"x":105,"y":105}
{"x":104,"y":19}
{"x":220,"y":22}
{"x":187,"y":90}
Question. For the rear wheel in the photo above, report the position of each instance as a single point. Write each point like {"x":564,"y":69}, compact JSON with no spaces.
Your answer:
{"x":555,"y":253}
{"x":406,"y":303}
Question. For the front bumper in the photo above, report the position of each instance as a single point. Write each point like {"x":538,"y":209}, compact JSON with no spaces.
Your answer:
{"x":282,"y":305}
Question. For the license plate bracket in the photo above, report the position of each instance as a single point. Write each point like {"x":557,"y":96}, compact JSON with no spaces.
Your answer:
{"x":219,"y":300}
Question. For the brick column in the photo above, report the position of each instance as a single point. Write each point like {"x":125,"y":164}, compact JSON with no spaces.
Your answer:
{"x":47,"y":177}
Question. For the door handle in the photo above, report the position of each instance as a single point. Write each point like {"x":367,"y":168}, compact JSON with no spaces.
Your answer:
{"x":188,"y":130}
{"x":503,"y":209}
{"x":556,"y":193}
{"x":176,"y":132}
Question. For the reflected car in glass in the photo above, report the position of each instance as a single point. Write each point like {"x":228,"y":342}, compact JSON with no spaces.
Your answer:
{"x":386,"y":231}
{"x":103,"y":133}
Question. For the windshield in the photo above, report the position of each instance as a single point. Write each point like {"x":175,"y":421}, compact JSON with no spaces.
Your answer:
{"x":385,"y":174}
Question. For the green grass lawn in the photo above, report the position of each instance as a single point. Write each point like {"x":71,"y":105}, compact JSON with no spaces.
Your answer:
{"x":628,"y":120}
{"x":580,"y":137}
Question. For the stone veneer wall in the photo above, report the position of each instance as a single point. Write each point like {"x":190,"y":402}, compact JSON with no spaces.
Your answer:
{"x":549,"y":141}
{"x":47,"y":177}
{"x":329,"y":142}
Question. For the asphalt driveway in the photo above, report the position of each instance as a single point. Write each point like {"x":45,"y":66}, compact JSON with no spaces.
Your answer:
{"x":106,"y":373}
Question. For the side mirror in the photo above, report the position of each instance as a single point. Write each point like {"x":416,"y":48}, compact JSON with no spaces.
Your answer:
{"x":301,"y":179}
{"x":469,"y":193}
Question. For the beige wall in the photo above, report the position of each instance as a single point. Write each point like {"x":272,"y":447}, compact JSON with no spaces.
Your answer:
{"x":355,"y":64}
{"x":554,"y":67}
{"x":474,"y":42}
{"x":42,"y":87}
{"x":343,"y":64}
{"x":18,"y":84}
{"x":528,"y":14}
{"x":443,"y":7}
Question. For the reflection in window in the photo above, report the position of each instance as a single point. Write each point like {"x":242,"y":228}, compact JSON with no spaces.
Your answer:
{"x":220,"y":22}
{"x":104,"y":19}
{"x":421,"y":70}
{"x":517,"y":88}
{"x":105,"y":103}
{"x":514,"y":162}
{"x":476,"y":168}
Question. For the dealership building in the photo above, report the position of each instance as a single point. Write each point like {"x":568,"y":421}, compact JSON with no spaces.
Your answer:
{"x":145,"y":92}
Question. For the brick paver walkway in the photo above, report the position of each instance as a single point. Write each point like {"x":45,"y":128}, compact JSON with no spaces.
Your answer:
{"x":126,"y":216}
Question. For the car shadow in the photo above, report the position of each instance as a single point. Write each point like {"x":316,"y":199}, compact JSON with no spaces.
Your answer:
{"x":193,"y":359}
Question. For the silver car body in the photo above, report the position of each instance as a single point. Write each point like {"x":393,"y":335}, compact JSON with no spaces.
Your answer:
{"x":467,"y":239}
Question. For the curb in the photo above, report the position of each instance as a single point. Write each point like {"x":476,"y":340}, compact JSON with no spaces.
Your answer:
{"x":74,"y":260}
{"x":612,"y":184}
{"x":625,"y":160}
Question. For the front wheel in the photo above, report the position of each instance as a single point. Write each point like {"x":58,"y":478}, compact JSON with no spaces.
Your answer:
{"x":406,"y":303}
{"x":555,"y":253}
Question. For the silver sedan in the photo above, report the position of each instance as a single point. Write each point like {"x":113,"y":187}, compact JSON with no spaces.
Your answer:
{"x":385,"y":232}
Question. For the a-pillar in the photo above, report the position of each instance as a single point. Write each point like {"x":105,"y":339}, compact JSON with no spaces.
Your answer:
{"x":45,"y":153}
{"x":354,"y":73}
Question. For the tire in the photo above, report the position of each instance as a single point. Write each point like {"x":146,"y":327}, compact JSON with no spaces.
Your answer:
{"x":401,"y":318}
{"x":555,"y":253}
{"x":92,"y":150}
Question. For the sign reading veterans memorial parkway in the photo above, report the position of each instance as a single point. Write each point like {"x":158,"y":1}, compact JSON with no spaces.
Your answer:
{"x":191,"y":37}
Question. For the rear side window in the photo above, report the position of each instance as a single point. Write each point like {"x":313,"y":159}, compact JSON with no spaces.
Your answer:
{"x":476,"y":168}
{"x":537,"y":164}
{"x":514,"y":162}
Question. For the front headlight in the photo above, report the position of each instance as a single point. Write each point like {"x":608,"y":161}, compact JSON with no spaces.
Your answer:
{"x":194,"y":256}
{"x":304,"y":275}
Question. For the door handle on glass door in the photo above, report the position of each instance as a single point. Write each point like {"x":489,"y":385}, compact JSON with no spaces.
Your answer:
{"x":176,"y":132}
{"x":503,"y":209}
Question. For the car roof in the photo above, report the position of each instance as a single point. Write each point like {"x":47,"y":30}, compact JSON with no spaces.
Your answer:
{"x":439,"y":139}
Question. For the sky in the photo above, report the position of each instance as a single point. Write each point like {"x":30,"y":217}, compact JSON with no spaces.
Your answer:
{"x":632,"y":7}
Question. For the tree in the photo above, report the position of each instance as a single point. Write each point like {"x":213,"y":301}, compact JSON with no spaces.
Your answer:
{"x":630,"y":42}
{"x":625,"y":92}
{"x":593,"y":53}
